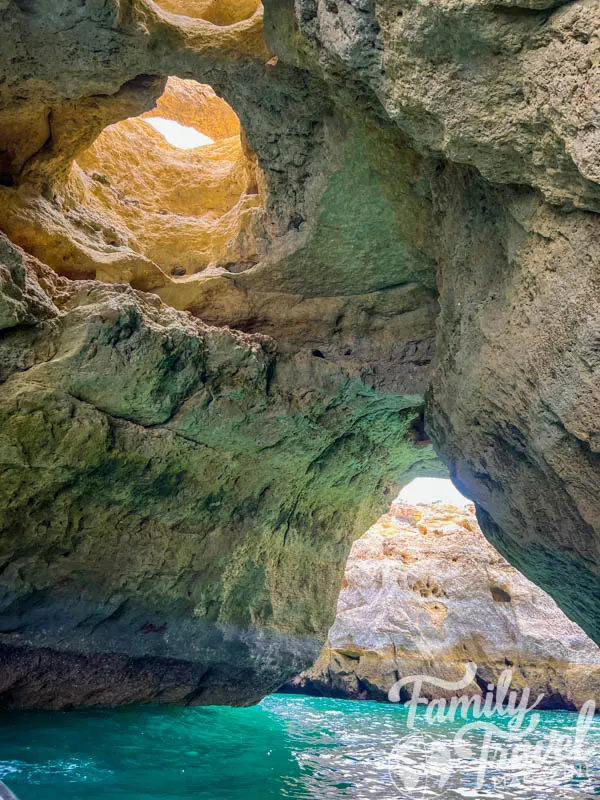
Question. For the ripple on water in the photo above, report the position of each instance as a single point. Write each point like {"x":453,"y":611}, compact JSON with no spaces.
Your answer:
{"x":287,"y":747}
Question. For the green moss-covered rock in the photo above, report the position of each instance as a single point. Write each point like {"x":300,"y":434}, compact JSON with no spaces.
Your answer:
{"x":176,"y":494}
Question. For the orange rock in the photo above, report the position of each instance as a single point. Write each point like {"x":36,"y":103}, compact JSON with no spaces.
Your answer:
{"x":196,"y":105}
{"x":134,"y":208}
{"x":219,"y":12}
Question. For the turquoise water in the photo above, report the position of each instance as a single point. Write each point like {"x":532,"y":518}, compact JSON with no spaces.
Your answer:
{"x":287,"y":747}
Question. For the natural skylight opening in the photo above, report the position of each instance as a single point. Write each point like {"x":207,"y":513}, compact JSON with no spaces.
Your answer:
{"x":177,"y":135}
{"x":432,"y":490}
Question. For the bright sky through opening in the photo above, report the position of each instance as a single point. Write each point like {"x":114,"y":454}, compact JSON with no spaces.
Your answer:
{"x":432,"y":490}
{"x":181,"y":136}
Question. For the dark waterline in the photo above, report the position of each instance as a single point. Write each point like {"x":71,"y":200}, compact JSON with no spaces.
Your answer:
{"x":287,"y":747}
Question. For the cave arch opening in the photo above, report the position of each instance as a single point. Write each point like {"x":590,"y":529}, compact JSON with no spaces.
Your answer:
{"x":425,"y":593}
{"x":158,"y":199}
{"x":426,"y":491}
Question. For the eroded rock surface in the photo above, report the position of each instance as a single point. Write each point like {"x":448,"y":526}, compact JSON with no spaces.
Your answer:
{"x":425,"y":594}
{"x":167,"y":488}
{"x":510,"y":87}
{"x":135,"y":208}
{"x":164,"y":508}
{"x":513,"y":402}
{"x":395,"y":159}
{"x":504,"y":97}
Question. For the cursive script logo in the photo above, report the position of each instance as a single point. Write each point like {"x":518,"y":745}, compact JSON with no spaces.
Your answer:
{"x":483,"y":742}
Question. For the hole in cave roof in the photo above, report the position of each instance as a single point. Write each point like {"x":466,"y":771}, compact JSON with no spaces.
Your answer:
{"x":183,"y":137}
{"x":175,"y":189}
{"x":218,"y":12}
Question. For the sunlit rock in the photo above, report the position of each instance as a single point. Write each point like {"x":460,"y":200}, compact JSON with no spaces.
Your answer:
{"x":425,"y":594}
{"x":219,"y":12}
{"x":135,"y":208}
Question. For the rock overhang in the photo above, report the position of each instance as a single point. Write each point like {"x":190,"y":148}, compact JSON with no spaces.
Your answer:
{"x":391,"y":139}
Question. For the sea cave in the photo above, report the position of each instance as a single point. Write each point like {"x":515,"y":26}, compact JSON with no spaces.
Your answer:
{"x":298,"y":469}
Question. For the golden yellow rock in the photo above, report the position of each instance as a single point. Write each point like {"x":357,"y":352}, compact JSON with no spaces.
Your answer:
{"x":219,"y":12}
{"x":196,"y":105}
{"x":135,"y":208}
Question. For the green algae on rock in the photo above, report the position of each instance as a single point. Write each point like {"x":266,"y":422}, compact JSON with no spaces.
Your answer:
{"x":174,"y":495}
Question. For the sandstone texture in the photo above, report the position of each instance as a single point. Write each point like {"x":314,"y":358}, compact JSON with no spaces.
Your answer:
{"x":147,"y":538}
{"x":136,"y":209}
{"x":519,"y":318}
{"x":219,"y":12}
{"x":425,"y":594}
{"x":215,"y":363}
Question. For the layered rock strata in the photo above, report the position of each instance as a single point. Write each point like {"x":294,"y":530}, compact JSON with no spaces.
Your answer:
{"x":424,"y":593}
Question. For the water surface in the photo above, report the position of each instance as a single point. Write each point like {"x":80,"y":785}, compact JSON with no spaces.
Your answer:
{"x":287,"y":747}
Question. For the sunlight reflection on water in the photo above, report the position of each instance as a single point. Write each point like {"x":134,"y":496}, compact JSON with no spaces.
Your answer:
{"x":287,"y":747}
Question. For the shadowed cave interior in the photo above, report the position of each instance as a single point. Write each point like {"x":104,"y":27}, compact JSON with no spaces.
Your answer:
{"x":370,"y":257}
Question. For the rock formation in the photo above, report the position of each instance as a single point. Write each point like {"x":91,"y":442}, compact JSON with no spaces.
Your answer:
{"x":201,"y":456}
{"x":425,"y":594}
{"x":134,"y":208}
{"x":145,"y":520}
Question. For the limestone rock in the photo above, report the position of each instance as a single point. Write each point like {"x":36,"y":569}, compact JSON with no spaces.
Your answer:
{"x":510,"y":88}
{"x":191,"y":474}
{"x":21,"y":300}
{"x":135,"y":208}
{"x":196,"y":106}
{"x":503,"y":98}
{"x":513,"y":403}
{"x":400,"y":166}
{"x":219,"y":12}
{"x":145,"y":538}
{"x":425,"y":594}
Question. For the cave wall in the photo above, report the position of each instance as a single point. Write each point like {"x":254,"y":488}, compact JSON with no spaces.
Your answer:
{"x":504,"y":97}
{"x":184,"y":469}
{"x":181,"y":487}
{"x":513,"y":402}
{"x":173,"y":492}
